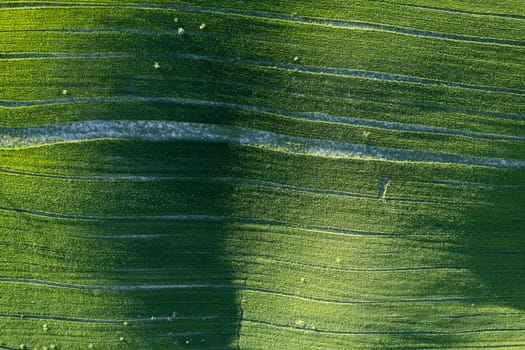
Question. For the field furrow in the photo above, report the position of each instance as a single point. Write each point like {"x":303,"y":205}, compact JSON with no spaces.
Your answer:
{"x":226,"y":174}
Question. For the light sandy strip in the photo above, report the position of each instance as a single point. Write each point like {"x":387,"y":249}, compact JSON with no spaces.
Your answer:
{"x":310,"y":116}
{"x":183,"y":131}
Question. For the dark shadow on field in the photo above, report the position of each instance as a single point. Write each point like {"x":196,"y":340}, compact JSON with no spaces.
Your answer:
{"x":175,"y":288}
{"x":487,"y":242}
{"x":176,"y":285}
{"x":495,"y":247}
{"x":188,"y":252}
{"x":178,"y":289}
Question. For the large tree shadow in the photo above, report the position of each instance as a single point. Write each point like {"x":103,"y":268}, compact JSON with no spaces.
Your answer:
{"x":140,"y":262}
{"x":480,"y":301}
{"x":128,"y":263}
{"x":173,"y":286}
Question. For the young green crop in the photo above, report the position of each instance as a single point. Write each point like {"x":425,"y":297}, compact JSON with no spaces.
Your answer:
{"x":111,"y":243}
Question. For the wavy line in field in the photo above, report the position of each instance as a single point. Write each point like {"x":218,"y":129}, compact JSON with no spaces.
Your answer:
{"x":445,"y":9}
{"x":299,"y":19}
{"x":97,"y":31}
{"x":119,"y":321}
{"x":358,"y":332}
{"x":472,"y":184}
{"x":5,"y":56}
{"x":474,"y":315}
{"x":269,"y":259}
{"x":211,"y":218}
{"x":446,"y":108}
{"x":40,"y":4}
{"x":386,"y":301}
{"x":285,"y":66}
{"x":117,"y":287}
{"x":125,"y":237}
{"x":345,"y":98}
{"x":411,"y":31}
{"x":184,"y":131}
{"x":261,"y":183}
{"x":137,"y":178}
{"x":81,"y":319}
{"x":352,"y":73}
{"x":175,"y":335}
{"x":452,"y":347}
{"x":395,"y":126}
{"x":306,"y":328}
{"x":309,"y":116}
{"x":436,"y":201}
{"x":203,"y":218}
{"x":217,"y":180}
{"x":495,"y":329}
{"x":247,"y":288}
{"x":241,"y":181}
{"x":348,"y":24}
{"x":175,"y":100}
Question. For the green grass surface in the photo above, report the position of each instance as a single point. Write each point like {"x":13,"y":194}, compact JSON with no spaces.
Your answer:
{"x":127,"y":243}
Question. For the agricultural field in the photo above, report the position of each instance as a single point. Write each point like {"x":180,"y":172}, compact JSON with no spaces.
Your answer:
{"x":226,"y":174}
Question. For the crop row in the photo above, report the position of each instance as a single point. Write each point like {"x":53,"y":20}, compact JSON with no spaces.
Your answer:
{"x":315,"y":46}
{"x":161,"y":17}
{"x":121,"y":243}
{"x":189,"y":159}
{"x":290,"y":90}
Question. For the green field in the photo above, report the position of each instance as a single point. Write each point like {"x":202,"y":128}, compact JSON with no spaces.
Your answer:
{"x":229,"y":174}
